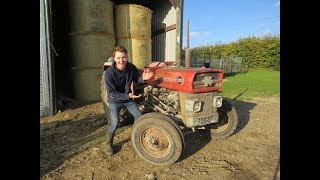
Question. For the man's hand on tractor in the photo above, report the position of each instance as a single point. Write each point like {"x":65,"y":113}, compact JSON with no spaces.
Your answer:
{"x":147,"y":74}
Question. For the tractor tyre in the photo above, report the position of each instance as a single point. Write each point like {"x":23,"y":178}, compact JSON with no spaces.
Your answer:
{"x":164,"y":117}
{"x":157,"y":139}
{"x":124,"y":114}
{"x":104,"y":97}
{"x":228,"y":122}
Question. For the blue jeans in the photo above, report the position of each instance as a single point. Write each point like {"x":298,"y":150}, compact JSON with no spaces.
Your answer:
{"x":114,"y":113}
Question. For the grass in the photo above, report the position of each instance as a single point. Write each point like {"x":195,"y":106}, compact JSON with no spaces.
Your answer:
{"x":256,"y":83}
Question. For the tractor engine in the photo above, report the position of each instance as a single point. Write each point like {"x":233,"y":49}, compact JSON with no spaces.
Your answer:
{"x":164,"y":100}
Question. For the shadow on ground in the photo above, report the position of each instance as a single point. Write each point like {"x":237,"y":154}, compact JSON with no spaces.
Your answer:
{"x":195,"y":141}
{"x":243,"y":109}
{"x":64,"y":103}
{"x":62,"y":140}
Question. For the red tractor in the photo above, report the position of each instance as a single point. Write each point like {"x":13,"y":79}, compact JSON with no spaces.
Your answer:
{"x":174,"y":98}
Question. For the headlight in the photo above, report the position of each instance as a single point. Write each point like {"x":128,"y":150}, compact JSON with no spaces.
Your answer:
{"x":217,"y":101}
{"x":193,"y":105}
{"x":197,"y":106}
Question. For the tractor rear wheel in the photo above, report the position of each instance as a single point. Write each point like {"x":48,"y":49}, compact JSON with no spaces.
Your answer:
{"x":228,"y":122}
{"x":104,"y":96}
{"x":173,"y":122}
{"x":156,"y":139}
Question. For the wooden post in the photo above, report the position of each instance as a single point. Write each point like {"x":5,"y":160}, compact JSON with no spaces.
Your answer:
{"x":187,"y":51}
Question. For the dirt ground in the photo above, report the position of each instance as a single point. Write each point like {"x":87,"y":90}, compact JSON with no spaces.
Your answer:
{"x":72,"y":146}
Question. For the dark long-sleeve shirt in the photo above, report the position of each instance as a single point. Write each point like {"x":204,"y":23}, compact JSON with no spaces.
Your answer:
{"x":118,"y":82}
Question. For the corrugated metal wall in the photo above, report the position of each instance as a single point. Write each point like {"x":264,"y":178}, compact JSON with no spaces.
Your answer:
{"x":164,"y":44}
{"x":46,"y":101}
{"x":42,"y":97}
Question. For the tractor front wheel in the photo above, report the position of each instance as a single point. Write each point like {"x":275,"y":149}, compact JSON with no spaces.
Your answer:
{"x":227,"y":124}
{"x":157,"y":140}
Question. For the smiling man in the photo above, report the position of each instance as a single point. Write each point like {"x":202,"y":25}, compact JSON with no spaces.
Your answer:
{"x":118,"y":84}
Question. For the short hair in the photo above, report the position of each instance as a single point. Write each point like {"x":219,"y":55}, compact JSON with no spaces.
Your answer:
{"x":120,"y":49}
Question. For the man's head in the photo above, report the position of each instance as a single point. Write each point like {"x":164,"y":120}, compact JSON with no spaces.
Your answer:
{"x":120,"y":57}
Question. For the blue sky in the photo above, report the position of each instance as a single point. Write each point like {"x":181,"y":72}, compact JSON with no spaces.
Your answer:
{"x":224,"y":21}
